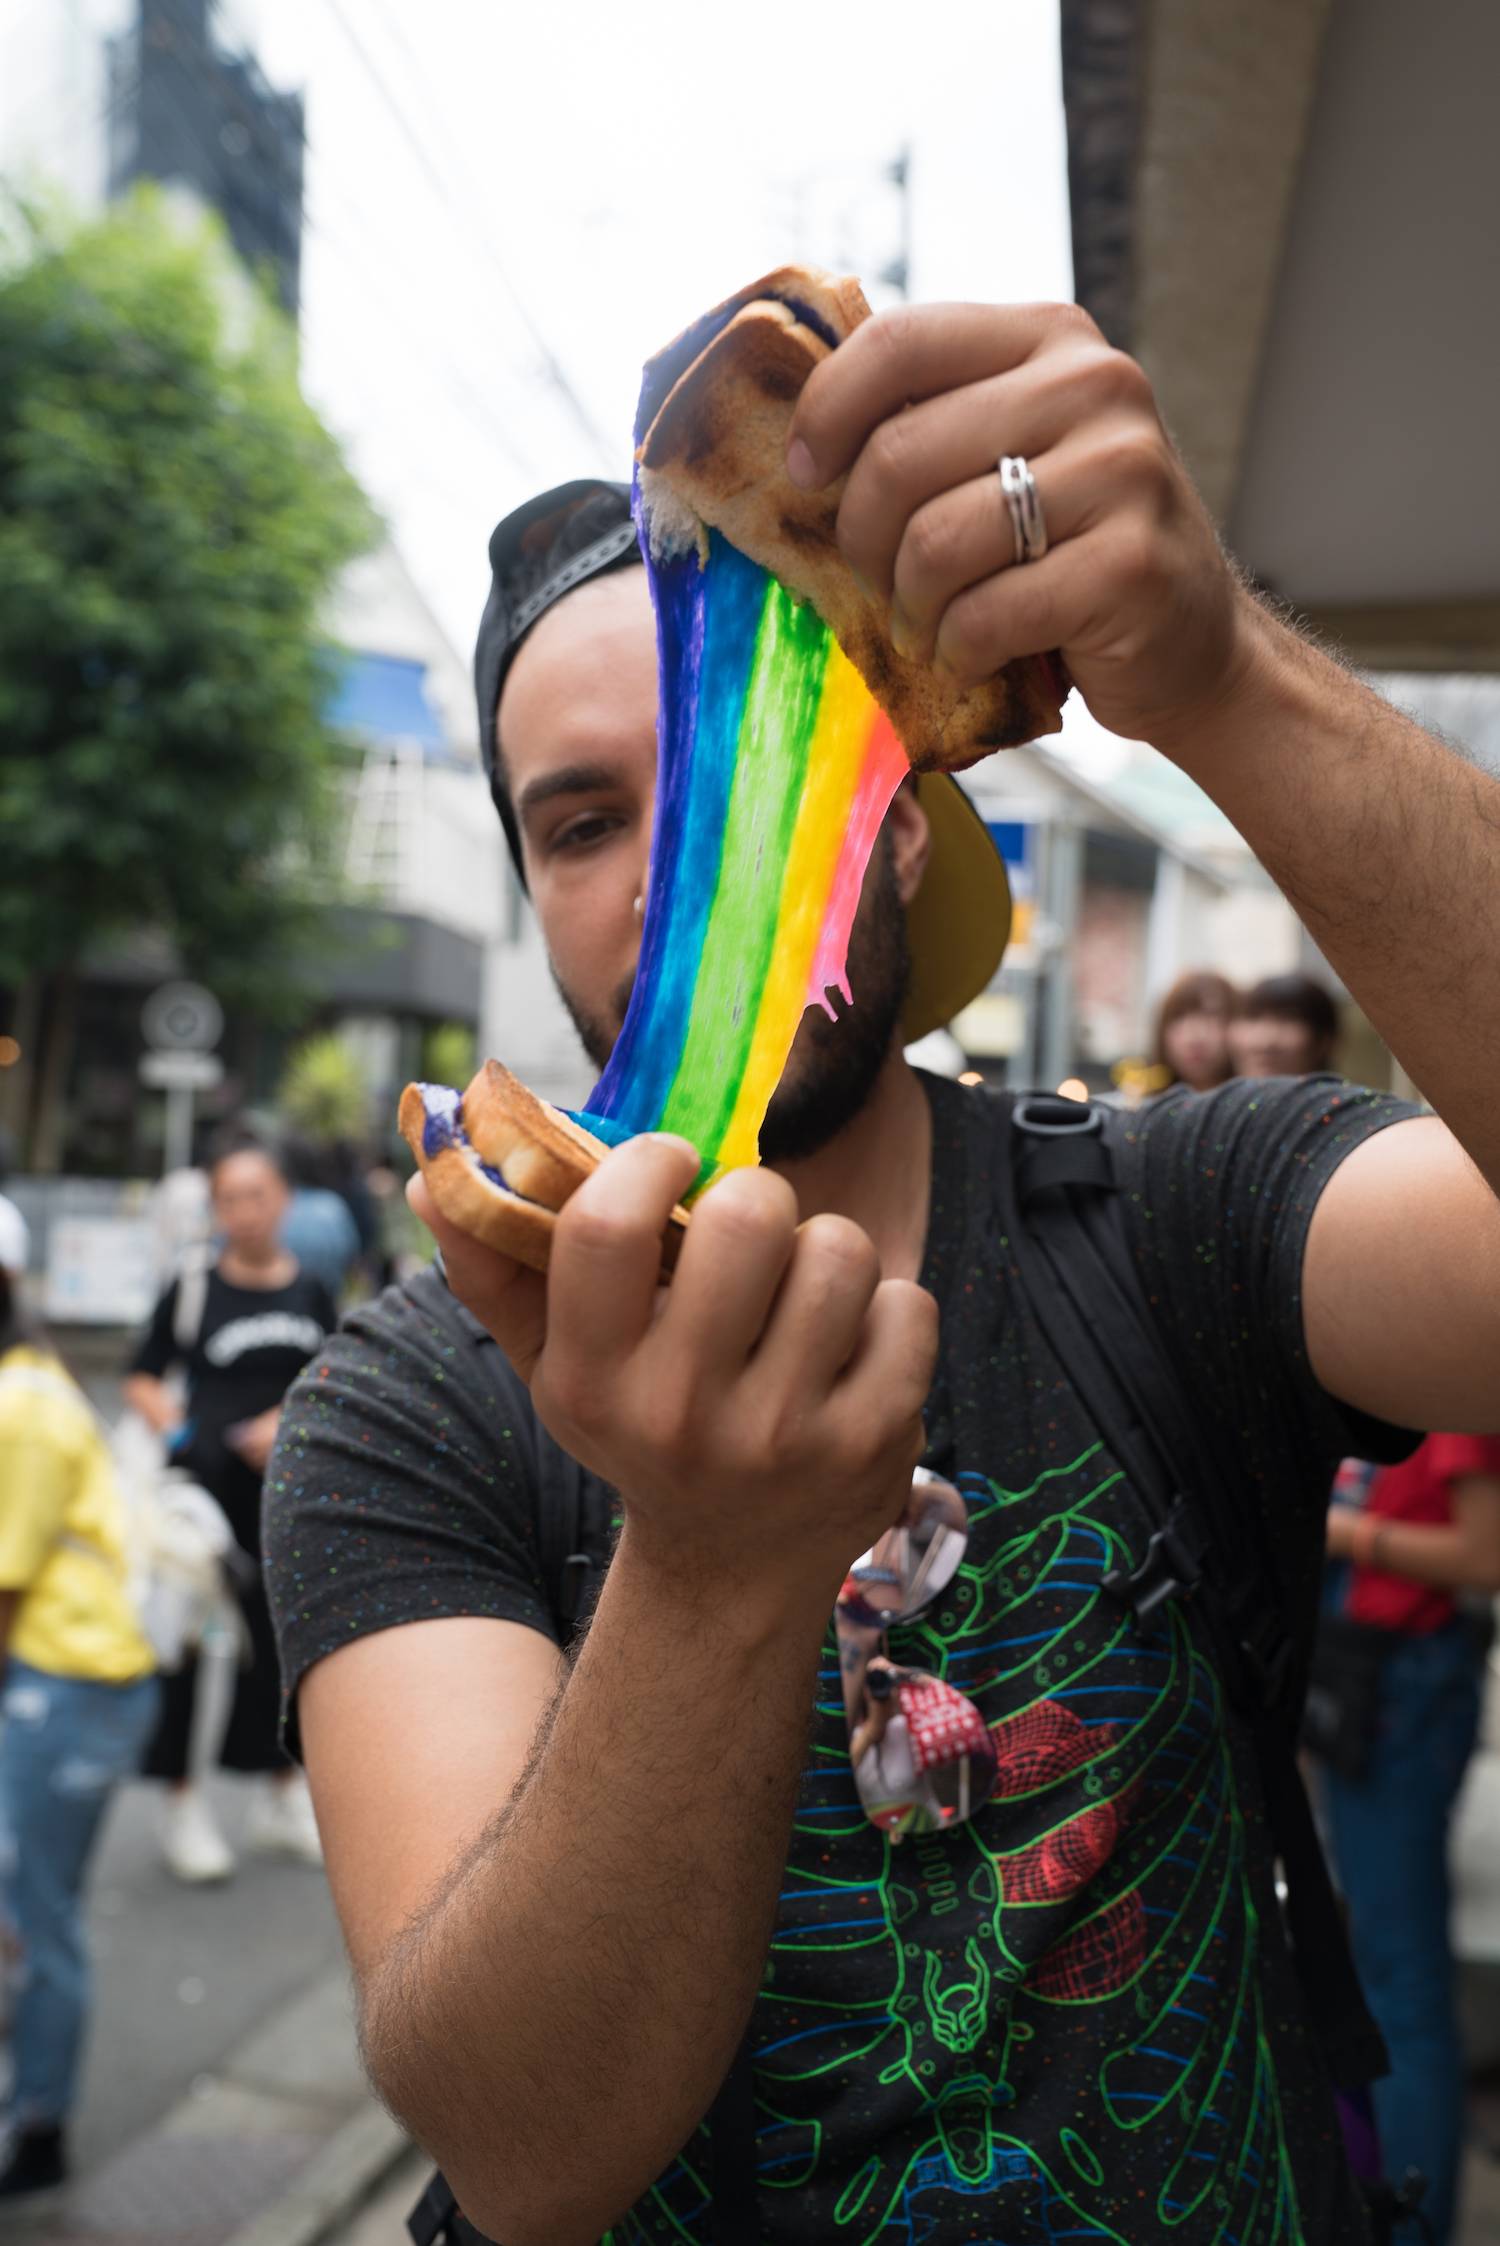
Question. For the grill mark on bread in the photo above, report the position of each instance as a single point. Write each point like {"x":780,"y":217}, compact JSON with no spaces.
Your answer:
{"x":875,"y":662}
{"x":777,"y":381}
{"x":798,"y":533}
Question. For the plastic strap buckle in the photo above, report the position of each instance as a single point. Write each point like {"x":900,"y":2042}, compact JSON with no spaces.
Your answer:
{"x":576,"y":1569}
{"x":1171,"y":1569}
{"x":1046,"y":1116}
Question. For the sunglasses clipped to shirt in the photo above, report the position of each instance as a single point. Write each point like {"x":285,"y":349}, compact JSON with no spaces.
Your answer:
{"x":923,"y":1757}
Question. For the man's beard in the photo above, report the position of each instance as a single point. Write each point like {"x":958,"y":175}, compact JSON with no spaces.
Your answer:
{"x":834,"y":1065}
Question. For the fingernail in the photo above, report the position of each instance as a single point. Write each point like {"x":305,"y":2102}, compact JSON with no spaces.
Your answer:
{"x":801,"y":466}
{"x":674,"y":1138}
{"x":902,"y":635}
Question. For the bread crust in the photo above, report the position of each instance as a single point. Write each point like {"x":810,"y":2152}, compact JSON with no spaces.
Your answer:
{"x":502,"y":1221}
{"x":540,"y":1152}
{"x":540,"y":1143}
{"x":717,"y":444}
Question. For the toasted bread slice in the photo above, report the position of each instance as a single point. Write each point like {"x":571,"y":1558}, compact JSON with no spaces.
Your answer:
{"x":714,"y":453}
{"x":501,"y":1163}
{"x":540,"y":1152}
{"x":466,"y":1197}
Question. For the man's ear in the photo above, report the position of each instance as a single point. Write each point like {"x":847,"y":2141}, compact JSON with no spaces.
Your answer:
{"x":910,"y":839}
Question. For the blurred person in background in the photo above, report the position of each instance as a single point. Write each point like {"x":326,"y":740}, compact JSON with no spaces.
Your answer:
{"x":319,"y":1229}
{"x":263,"y":1318}
{"x":181,"y":1221}
{"x":1191,"y":1045}
{"x":80,"y":1699}
{"x":1400,"y":1662}
{"x":1287,"y":1025}
{"x":15,"y":1240}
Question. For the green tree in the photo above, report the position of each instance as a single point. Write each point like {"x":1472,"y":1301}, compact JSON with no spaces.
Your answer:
{"x":323,"y":1093}
{"x":172,"y":513}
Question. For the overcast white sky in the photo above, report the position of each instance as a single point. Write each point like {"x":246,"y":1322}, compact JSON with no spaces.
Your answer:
{"x":613,"y":171}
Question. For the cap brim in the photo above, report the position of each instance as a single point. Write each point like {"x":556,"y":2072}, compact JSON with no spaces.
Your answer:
{"x":958,"y":923}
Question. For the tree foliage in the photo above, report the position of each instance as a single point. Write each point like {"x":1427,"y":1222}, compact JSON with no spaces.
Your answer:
{"x":172,"y":513}
{"x":323,"y":1093}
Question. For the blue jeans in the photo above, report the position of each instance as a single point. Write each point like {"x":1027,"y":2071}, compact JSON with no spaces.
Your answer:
{"x":1390,"y":1841}
{"x":64,"y":1745}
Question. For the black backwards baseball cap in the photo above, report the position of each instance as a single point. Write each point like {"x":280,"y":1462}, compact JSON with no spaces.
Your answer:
{"x":959,"y":920}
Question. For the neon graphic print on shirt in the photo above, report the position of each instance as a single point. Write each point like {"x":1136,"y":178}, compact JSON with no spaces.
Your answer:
{"x":1094,"y":1926}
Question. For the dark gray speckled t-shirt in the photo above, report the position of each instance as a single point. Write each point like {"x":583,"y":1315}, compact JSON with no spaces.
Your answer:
{"x":1075,"y":2017}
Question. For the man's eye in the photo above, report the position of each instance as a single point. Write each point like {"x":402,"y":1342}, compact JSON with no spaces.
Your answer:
{"x":583,"y":833}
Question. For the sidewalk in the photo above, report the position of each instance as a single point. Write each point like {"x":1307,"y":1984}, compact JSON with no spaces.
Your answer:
{"x":222,"y":2098}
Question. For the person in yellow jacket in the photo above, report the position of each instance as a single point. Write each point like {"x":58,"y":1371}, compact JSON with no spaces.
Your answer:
{"x":77,"y":1707}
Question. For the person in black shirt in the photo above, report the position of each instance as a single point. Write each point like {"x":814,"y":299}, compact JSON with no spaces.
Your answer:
{"x":572,"y":1888}
{"x":260,"y":1321}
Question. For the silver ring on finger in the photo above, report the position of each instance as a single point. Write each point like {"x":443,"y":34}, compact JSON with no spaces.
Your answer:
{"x":1027,"y":521}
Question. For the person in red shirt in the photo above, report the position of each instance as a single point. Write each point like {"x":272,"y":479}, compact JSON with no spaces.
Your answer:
{"x":1420,"y":1537}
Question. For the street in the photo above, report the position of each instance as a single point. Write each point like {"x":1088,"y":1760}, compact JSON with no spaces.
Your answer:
{"x":184,"y":1974}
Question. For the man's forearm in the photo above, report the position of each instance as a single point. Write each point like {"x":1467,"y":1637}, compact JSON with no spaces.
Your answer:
{"x":1388,"y":846}
{"x":556,"y":2022}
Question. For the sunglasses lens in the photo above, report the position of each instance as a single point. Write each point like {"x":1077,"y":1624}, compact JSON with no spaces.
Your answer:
{"x":914,"y":1562}
{"x":923,"y":1759}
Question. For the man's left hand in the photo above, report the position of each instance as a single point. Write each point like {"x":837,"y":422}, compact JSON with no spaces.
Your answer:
{"x":917,"y":408}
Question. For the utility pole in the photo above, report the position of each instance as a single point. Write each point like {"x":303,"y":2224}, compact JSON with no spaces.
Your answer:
{"x":897,"y":275}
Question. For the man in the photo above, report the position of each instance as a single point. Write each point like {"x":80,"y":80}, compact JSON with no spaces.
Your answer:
{"x":570,"y":1892}
{"x":1288,"y":1025}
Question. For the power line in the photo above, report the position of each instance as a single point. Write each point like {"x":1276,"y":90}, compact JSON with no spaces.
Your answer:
{"x":447,"y":376}
{"x":457,"y":383}
{"x":556,"y":373}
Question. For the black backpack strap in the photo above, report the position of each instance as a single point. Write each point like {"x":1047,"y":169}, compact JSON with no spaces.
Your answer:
{"x":1061,"y":1214}
{"x":431,"y":2222}
{"x":571,"y":1534}
{"x":1068,"y":1225}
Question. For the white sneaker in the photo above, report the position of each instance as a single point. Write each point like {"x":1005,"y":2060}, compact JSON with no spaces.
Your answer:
{"x":193,"y":1848}
{"x":282,"y":1822}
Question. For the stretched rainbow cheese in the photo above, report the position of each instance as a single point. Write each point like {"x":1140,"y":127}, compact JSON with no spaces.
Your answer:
{"x":781,"y":701}
{"x":775,"y":768}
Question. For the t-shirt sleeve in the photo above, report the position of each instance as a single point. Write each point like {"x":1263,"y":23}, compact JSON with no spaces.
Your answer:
{"x":157,"y":1351}
{"x":1222,"y":1188}
{"x":399,"y":1491}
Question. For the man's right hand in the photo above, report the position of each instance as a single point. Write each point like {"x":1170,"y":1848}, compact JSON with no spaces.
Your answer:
{"x":762,"y":1415}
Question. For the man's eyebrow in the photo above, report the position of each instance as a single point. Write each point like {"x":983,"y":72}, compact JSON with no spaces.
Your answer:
{"x":569,"y":779}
